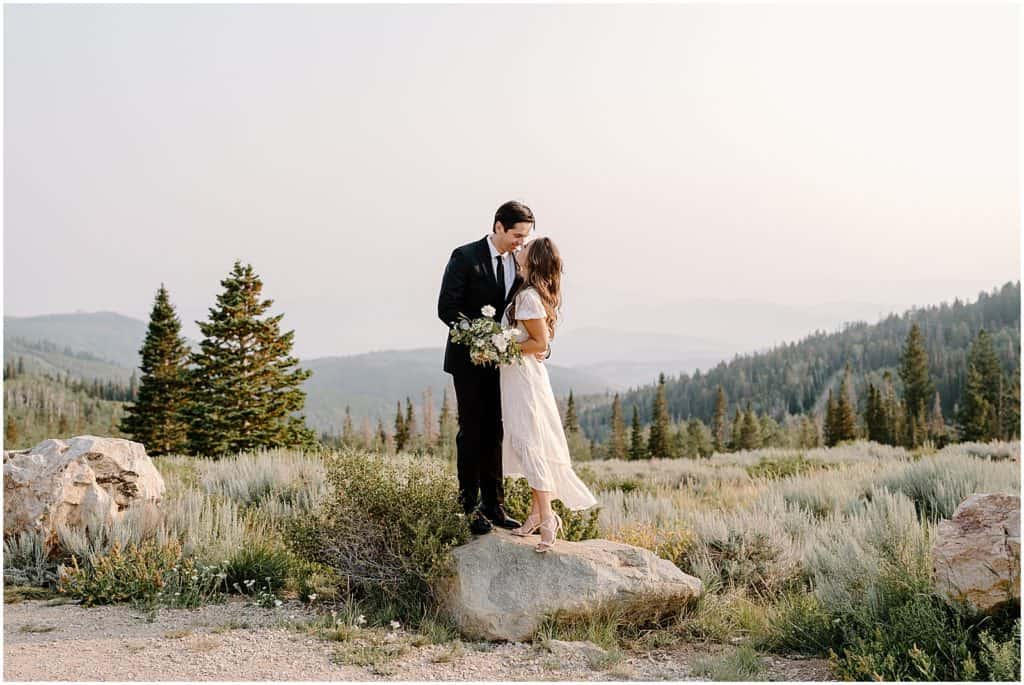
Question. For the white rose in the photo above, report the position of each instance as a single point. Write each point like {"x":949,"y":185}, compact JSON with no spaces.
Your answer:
{"x":487,"y":310}
{"x":500,"y":342}
{"x":464,"y":325}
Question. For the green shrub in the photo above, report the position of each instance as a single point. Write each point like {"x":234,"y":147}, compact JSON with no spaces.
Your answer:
{"x":266,"y":564}
{"x":577,"y":525}
{"x":148,"y":574}
{"x":386,"y":528}
{"x":785,"y":467}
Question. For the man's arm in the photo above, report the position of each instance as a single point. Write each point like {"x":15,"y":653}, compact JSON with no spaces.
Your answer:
{"x":453,"y":290}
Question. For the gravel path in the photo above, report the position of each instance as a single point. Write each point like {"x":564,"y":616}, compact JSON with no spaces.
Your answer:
{"x":239,"y":641}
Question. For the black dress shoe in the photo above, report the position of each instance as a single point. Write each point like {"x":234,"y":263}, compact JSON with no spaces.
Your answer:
{"x":499,"y":518}
{"x":478,"y":523}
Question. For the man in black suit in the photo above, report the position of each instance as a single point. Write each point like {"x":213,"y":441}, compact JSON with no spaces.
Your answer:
{"x":478,"y":274}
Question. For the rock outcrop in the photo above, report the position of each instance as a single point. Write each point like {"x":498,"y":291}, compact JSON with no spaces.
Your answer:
{"x":502,"y":589}
{"x":80,"y":482}
{"x":977,"y":554}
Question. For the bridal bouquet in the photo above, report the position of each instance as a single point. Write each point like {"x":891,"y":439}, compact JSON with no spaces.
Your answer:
{"x":489,"y":342}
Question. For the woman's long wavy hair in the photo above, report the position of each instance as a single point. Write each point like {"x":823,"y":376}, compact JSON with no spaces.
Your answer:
{"x":545,"y":276}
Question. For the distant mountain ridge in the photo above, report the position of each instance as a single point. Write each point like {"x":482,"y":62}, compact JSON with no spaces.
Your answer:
{"x":794,"y":378}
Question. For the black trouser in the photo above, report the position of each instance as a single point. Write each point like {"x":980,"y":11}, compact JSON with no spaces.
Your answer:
{"x":479,"y":440}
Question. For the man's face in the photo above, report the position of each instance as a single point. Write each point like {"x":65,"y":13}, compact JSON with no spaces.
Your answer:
{"x":513,"y":238}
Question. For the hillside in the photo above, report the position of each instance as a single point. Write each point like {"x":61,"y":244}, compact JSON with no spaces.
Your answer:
{"x":795,"y":378}
{"x":105,"y":336}
{"x":37,"y":408}
{"x":371,"y":384}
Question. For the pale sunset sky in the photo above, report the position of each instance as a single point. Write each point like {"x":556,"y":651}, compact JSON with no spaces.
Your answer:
{"x":854,"y":159}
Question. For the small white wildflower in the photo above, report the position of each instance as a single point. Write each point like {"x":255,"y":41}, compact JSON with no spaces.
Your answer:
{"x":361,"y":620}
{"x":277,"y":602}
{"x":396,"y":625}
{"x":487,"y":310}
{"x":312,"y":597}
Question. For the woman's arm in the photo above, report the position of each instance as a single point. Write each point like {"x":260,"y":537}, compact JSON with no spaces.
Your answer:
{"x":537,"y":345}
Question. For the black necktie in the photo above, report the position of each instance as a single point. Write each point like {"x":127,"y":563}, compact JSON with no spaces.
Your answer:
{"x":501,"y":274}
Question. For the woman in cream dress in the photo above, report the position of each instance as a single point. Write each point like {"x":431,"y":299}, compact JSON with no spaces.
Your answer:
{"x":534,"y":445}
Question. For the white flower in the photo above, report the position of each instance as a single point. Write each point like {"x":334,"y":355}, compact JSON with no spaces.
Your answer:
{"x":500,"y":342}
{"x":277,"y":602}
{"x":361,"y":620}
{"x":487,"y":310}
{"x":396,"y":625}
{"x":312,"y":597}
{"x":464,"y":325}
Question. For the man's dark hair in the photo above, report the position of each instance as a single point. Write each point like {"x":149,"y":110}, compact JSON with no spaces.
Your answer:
{"x":512,"y":213}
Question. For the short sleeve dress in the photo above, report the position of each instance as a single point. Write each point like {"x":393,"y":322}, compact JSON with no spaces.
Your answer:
{"x":534,"y":445}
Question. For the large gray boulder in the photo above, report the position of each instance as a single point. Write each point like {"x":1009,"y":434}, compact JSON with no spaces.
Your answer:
{"x":977,"y":553}
{"x":83,"y":481}
{"x":502,"y":589}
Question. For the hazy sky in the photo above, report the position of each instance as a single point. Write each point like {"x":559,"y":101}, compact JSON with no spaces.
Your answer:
{"x":796,"y":155}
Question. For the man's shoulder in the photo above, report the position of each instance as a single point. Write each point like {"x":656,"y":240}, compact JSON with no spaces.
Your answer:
{"x":469,"y":249}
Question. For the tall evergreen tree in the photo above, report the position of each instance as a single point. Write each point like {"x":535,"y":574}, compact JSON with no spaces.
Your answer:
{"x":845,"y":413}
{"x":917,"y":385}
{"x":736,"y":434}
{"x":658,"y":443}
{"x":618,"y":439}
{"x":983,"y":392}
{"x":750,"y":430}
{"x":572,"y":423}
{"x":245,"y":382}
{"x":699,"y":439}
{"x":401,"y":429}
{"x":831,"y":411}
{"x":447,"y":426}
{"x":158,"y":418}
{"x":718,"y":442}
{"x":348,"y":431}
{"x":937,"y":424}
{"x":637,"y":449}
{"x":1011,"y":407}
{"x":410,"y":421}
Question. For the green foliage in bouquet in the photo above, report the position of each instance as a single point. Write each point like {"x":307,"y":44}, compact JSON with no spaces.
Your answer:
{"x":489,"y":342}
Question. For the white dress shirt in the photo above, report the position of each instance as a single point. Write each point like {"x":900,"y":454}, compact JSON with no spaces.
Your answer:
{"x":508,"y":261}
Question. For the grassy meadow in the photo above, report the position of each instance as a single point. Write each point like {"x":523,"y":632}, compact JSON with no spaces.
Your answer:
{"x":820,"y":552}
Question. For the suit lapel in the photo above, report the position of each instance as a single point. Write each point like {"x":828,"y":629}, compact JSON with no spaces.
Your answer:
{"x":485,"y":255}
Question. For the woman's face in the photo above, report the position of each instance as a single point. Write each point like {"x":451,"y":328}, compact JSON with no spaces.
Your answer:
{"x":521,"y":259}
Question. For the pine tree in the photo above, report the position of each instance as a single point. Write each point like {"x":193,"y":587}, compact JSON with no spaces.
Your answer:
{"x":736,"y":435}
{"x":831,"y":429}
{"x":845,"y":416}
{"x":348,"y":431}
{"x":572,"y":424}
{"x":874,"y":415}
{"x":366,"y":434}
{"x":750,"y":430}
{"x":618,"y":439}
{"x":917,"y":385}
{"x":428,"y":417}
{"x":245,"y":383}
{"x":982,"y":398}
{"x":718,"y":442}
{"x":809,"y":436}
{"x":771,"y":435}
{"x":699,"y":439}
{"x":447,"y":426}
{"x":410,"y":422}
{"x":158,"y":418}
{"x":658,"y":442}
{"x":892,"y":422}
{"x":401,"y":430}
{"x":1011,"y":407}
{"x":637,"y":449}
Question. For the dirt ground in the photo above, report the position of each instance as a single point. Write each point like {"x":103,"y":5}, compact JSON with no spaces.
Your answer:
{"x":240,"y":641}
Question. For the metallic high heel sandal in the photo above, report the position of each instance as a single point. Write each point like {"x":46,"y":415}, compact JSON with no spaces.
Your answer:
{"x":544,"y":546}
{"x":527,"y":528}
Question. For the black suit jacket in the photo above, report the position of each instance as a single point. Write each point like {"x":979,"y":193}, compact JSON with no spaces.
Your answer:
{"x":468,"y":285}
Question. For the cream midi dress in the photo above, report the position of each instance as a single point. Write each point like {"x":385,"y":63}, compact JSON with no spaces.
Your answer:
{"x":534,"y":445}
